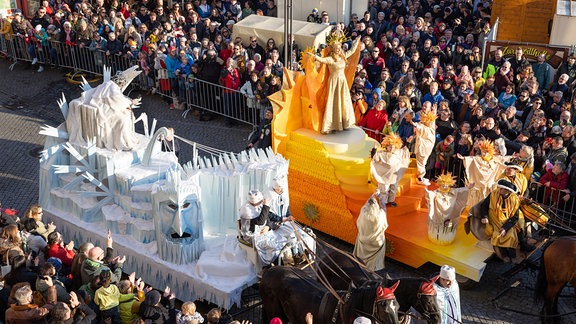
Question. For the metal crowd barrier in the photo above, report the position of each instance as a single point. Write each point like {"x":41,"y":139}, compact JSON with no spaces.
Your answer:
{"x":194,"y":94}
{"x":553,"y":198}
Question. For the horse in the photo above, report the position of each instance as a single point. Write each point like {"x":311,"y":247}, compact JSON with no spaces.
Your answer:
{"x":289,"y":294}
{"x":557,"y":268}
{"x":340,"y":270}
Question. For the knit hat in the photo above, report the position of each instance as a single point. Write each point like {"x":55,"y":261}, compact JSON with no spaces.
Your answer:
{"x":362,"y":320}
{"x":153,"y":297}
{"x":56,"y":262}
{"x":447,"y":272}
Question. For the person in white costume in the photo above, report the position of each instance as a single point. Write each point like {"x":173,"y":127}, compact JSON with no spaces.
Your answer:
{"x":483,"y":170}
{"x":388,"y":166}
{"x":370,"y":246}
{"x":425,"y":135}
{"x":281,"y":221}
{"x":448,"y":296}
{"x":255,"y":228}
{"x":445,"y":205}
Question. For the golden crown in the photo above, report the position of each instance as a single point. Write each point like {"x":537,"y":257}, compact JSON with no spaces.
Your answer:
{"x":487,"y":147}
{"x":392,"y":140}
{"x":336,"y":37}
{"x":446,"y":179}
{"x":428,"y":117}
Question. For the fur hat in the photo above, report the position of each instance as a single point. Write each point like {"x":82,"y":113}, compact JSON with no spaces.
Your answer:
{"x":513,"y":165}
{"x":255,"y":197}
{"x":505,"y":184}
{"x":447,"y":272}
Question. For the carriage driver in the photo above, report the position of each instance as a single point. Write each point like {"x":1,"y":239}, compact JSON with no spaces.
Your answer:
{"x":504,"y":222}
{"x":256,"y":220}
{"x":280,"y":217}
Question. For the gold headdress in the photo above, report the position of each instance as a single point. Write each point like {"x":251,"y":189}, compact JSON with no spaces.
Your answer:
{"x":336,"y":37}
{"x":392,"y":140}
{"x":487,"y":147}
{"x":428,"y":117}
{"x":446,"y":179}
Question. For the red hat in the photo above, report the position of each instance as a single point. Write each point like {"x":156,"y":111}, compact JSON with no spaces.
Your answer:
{"x":427,"y":288}
{"x":172,"y":48}
{"x":386,"y":293}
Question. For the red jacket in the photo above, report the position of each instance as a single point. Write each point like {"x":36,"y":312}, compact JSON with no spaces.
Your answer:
{"x":57,"y":251}
{"x":557,"y":183}
{"x":230,"y":80}
{"x":374,"y":120}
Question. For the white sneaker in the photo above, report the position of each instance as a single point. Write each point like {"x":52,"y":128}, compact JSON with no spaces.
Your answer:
{"x":424,"y":181}
{"x":34,"y":61}
{"x":40,"y":69}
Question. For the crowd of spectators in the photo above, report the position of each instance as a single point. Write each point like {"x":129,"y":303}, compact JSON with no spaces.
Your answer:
{"x":426,"y":55}
{"x":45,"y":280}
{"x":188,"y":40}
{"x":416,"y":55}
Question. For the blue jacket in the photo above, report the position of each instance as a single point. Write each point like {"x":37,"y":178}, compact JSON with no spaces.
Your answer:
{"x":433,"y":99}
{"x":172,"y":63}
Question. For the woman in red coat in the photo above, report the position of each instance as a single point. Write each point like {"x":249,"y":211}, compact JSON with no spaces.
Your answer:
{"x":554,"y":180}
{"x":375,"y":120}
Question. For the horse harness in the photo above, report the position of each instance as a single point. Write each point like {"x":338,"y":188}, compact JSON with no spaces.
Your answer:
{"x":336,"y":312}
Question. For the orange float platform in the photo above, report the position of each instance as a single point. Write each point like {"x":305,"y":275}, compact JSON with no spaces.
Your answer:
{"x":329,"y":183}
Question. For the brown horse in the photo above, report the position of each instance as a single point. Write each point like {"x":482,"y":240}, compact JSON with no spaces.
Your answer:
{"x":340,"y":270}
{"x":557,"y":268}
{"x":289,"y":293}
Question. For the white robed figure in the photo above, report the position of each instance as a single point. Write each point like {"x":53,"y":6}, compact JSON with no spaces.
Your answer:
{"x":256,"y":228}
{"x":445,"y":205}
{"x":425,"y":135}
{"x":448,"y":296}
{"x":483,"y":171}
{"x":370,"y":246}
{"x":282,"y":222}
{"x":387,"y":167}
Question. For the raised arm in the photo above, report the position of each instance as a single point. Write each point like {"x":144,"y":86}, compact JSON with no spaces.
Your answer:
{"x":355,"y":44}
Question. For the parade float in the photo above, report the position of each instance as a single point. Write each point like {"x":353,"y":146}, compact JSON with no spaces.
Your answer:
{"x":330,"y":176}
{"x":176,"y":224}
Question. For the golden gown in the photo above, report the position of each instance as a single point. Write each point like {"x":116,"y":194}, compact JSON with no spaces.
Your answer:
{"x":498,"y":214}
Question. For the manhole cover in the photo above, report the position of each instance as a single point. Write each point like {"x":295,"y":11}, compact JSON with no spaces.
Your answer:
{"x":36,"y":152}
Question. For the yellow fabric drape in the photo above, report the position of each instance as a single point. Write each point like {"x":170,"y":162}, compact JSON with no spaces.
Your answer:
{"x":500,"y":210}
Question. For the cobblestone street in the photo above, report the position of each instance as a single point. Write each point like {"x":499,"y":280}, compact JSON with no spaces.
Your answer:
{"x":28,"y":101}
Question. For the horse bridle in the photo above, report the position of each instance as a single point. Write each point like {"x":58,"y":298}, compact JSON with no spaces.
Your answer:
{"x":372,"y":316}
{"x":425,"y":314}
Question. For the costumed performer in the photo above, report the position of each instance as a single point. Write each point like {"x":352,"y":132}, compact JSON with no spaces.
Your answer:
{"x":425,"y":135}
{"x":370,"y":246}
{"x":513,"y":173}
{"x":482,"y":170}
{"x":504,"y":221}
{"x":339,"y":111}
{"x":448,"y":296}
{"x":255,"y":228}
{"x":282,"y":221}
{"x":387,"y":161}
{"x":525,"y":159}
{"x":445,"y":205}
